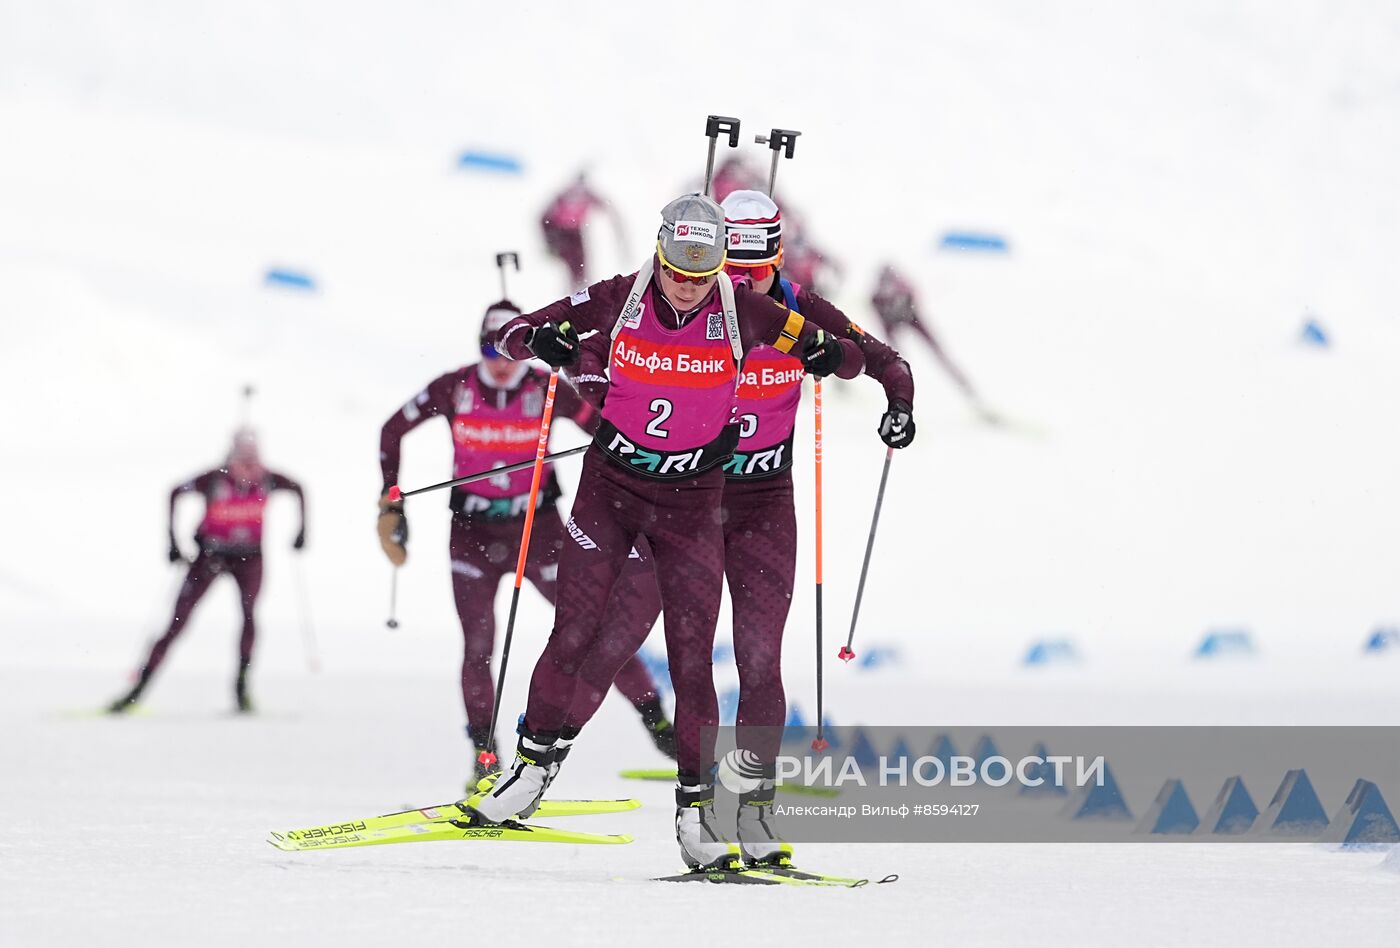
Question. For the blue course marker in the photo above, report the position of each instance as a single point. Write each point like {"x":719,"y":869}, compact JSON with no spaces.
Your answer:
{"x":1314,"y":335}
{"x":1363,"y":821}
{"x":879,"y":656}
{"x":472,"y":160}
{"x":944,"y":750}
{"x":1171,"y":813}
{"x":986,"y":748}
{"x":1222,"y":642}
{"x":1233,"y":811}
{"x":1095,"y":801}
{"x":1051,"y":652}
{"x":974,"y":241}
{"x":900,"y":754}
{"x":1383,"y":639}
{"x":863,"y":751}
{"x":1294,"y":810}
{"x":289,"y":279}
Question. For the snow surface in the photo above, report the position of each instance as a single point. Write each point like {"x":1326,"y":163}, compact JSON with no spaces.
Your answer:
{"x":1179,"y":184}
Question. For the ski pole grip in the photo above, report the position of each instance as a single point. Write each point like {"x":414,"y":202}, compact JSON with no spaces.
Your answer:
{"x":395,"y":495}
{"x":715,"y":125}
{"x":509,"y":256}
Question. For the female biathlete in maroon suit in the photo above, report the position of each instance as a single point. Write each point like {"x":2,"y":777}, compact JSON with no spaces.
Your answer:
{"x":760,"y":522}
{"x":230,"y":541}
{"x":677,"y":336}
{"x":494,"y":407}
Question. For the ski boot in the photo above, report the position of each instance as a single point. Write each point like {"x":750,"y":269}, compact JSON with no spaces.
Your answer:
{"x":659,"y":729}
{"x":126,"y":702}
{"x":517,"y":791}
{"x":663,"y":735}
{"x":240,"y":692}
{"x":483,"y":786}
{"x":697,"y":830}
{"x":758,"y":836}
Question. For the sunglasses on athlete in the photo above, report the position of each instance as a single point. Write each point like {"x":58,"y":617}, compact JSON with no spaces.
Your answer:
{"x":678,"y":277}
{"x":754,"y":273}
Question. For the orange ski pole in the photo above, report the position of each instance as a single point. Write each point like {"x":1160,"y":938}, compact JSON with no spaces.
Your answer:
{"x":820,"y":743}
{"x":487,"y":756}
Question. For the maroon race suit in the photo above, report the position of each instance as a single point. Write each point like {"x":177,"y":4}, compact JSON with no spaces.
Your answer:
{"x":759,"y":524}
{"x":629,"y":490}
{"x":562,"y":225}
{"x":230,"y":541}
{"x":493,"y":426}
{"x":736,"y":174}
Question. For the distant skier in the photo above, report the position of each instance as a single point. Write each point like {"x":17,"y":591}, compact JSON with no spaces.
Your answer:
{"x":760,"y":521}
{"x":563,"y":223}
{"x":677,"y":332}
{"x":493,"y":410}
{"x":895,"y":305}
{"x":230,"y":541}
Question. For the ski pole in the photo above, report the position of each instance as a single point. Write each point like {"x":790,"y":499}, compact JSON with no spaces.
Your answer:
{"x":846,"y":654}
{"x":487,"y":757}
{"x":715,"y":125}
{"x":510,"y":256}
{"x":393,"y":622}
{"x":819,"y":744}
{"x":783,"y":142}
{"x":395,"y":494}
{"x":308,"y":632}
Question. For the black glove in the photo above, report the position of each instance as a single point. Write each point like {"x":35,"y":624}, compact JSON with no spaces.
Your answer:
{"x":556,"y":345}
{"x":823,"y":354}
{"x":300,"y":541}
{"x":897,"y":425}
{"x":175,"y":554}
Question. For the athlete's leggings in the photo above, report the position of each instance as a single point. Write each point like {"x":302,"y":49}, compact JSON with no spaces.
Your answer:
{"x":681,"y":521}
{"x":760,"y":552}
{"x":484,"y":551}
{"x":246,"y":570}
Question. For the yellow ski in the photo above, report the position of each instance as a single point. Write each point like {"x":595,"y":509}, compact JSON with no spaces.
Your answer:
{"x":455,"y":811}
{"x":348,"y":835}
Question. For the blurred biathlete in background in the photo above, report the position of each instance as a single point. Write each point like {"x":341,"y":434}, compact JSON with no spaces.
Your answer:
{"x":677,"y":332}
{"x":230,"y":541}
{"x":897,"y":309}
{"x":757,"y":512}
{"x":493,"y":410}
{"x":735,"y":173}
{"x":563,"y":222}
